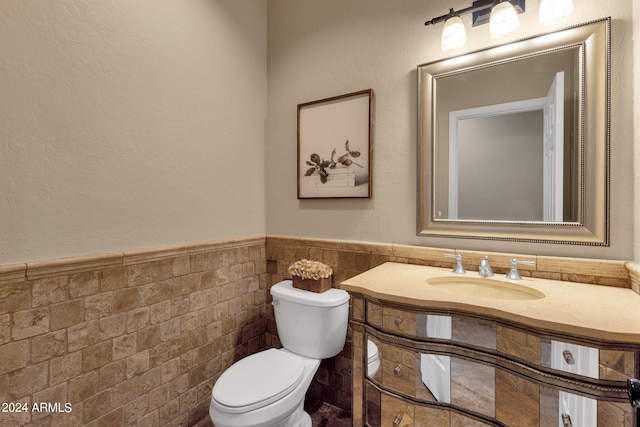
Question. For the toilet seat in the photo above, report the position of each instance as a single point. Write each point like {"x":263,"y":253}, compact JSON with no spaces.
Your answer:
{"x":258,"y":380}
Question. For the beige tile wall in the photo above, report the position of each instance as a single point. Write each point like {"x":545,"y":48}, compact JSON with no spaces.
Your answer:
{"x":135,"y":338}
{"x":139,"y":337}
{"x":634,"y":272}
{"x":349,"y":258}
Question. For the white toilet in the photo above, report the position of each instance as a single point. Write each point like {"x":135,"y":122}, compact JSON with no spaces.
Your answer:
{"x":267,"y":389}
{"x":373,"y":359}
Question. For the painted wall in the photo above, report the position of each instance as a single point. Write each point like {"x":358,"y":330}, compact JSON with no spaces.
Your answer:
{"x":636,"y":138}
{"x":129,"y":124}
{"x":501,"y":177}
{"x":322,"y":49}
{"x":136,"y":124}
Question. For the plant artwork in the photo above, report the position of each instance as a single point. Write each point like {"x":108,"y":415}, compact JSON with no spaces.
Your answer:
{"x":320,"y":166}
{"x":327,"y":166}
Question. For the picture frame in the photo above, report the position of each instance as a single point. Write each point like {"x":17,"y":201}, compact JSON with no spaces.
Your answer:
{"x":335,"y":147}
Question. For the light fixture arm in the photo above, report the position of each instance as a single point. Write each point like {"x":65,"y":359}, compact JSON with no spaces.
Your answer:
{"x":476,"y":7}
{"x":502,"y":16}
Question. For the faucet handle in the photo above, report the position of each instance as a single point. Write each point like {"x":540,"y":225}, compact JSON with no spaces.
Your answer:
{"x":458,"y":268}
{"x":514,"y":274}
{"x":484,"y":269}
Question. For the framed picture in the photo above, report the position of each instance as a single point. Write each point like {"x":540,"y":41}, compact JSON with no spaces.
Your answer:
{"x":335,"y":138}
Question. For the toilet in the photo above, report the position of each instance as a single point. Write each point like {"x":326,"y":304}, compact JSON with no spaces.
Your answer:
{"x":373,"y":359}
{"x":267,"y":389}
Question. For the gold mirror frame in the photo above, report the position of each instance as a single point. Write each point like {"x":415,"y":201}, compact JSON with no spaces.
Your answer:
{"x":592,"y":228}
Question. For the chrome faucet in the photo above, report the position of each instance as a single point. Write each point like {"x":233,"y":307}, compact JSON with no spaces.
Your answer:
{"x":458,"y":268}
{"x":484,"y":269}
{"x":514,"y":274}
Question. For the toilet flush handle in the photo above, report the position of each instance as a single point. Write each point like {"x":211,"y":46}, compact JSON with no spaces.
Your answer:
{"x":275,"y":302}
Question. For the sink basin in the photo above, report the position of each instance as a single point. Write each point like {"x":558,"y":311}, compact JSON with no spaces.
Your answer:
{"x":485,"y":288}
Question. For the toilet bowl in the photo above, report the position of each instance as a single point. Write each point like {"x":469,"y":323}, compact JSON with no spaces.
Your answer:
{"x":267,"y":389}
{"x":373,"y":358}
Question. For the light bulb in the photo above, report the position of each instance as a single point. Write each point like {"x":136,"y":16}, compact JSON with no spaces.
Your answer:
{"x":554,"y":11}
{"x":504,"y":20}
{"x":454,"y":34}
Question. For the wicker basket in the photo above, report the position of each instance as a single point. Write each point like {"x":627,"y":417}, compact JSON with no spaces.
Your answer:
{"x":317,"y":286}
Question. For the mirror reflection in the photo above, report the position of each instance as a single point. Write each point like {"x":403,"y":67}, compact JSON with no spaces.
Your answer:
{"x":460,"y":382}
{"x":528,"y":171}
{"x":513,"y":141}
{"x":501,"y":147}
{"x":373,"y":358}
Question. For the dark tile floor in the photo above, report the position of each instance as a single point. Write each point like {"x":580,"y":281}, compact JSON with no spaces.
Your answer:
{"x":322,"y":415}
{"x":330,"y":416}
{"x":326,"y":415}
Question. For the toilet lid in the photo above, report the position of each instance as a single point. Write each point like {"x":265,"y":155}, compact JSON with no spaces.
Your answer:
{"x":258,"y":380}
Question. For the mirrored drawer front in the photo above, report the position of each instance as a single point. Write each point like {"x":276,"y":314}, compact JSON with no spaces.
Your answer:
{"x":390,"y":411}
{"x":518,"y":344}
{"x":482,"y":390}
{"x":434,"y":377}
{"x":394,"y":368}
{"x":574,"y":358}
{"x":591,"y":362}
{"x":570,"y":357}
{"x":423,"y":324}
{"x":394,"y":320}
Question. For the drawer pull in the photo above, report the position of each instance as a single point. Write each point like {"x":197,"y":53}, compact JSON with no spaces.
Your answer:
{"x":399,"y":320}
{"x":568,"y":357}
{"x":398,"y":370}
{"x":566,"y":420}
{"x":397,"y":420}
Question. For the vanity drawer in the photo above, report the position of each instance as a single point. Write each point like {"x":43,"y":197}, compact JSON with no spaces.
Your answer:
{"x":563,"y":356}
{"x":420,"y":377}
{"x":521,"y":345}
{"x":574,"y":358}
{"x":588,"y":361}
{"x":431,"y":377}
{"x":394,"y":320}
{"x":423,"y":324}
{"x":398,"y":412}
{"x":398,"y":369}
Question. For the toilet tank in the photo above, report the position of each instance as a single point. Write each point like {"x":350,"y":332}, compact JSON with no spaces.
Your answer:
{"x":311,"y":324}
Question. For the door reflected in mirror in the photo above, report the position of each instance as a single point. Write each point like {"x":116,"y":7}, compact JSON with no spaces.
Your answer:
{"x":506,"y":161}
{"x":513,"y":141}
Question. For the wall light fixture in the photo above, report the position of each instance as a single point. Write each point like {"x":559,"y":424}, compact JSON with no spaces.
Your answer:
{"x":553,"y":11}
{"x":502,"y":16}
{"x":504,"y":19}
{"x":454,"y":34}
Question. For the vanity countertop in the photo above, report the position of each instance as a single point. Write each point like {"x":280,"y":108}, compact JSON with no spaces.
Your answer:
{"x":591,"y":311}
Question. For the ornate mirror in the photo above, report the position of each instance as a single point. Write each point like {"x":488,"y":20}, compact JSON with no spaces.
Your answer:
{"x":513,"y":141}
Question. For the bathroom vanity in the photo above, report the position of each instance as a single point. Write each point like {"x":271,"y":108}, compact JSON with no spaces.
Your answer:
{"x":460,"y":350}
